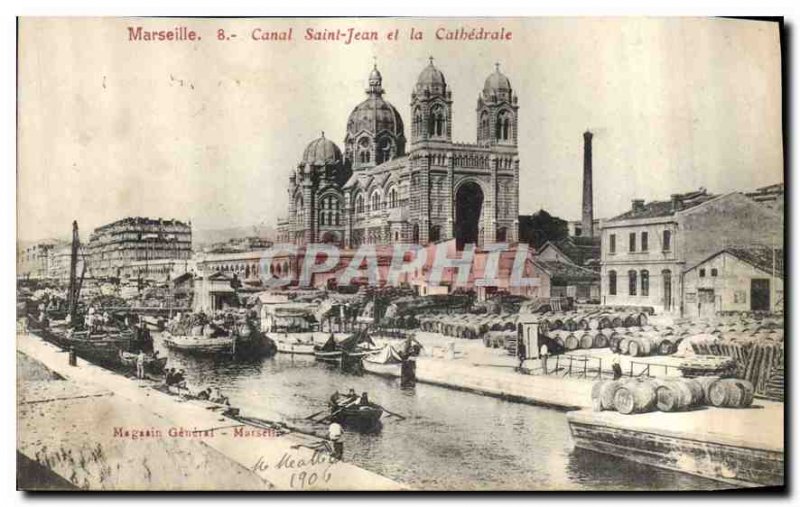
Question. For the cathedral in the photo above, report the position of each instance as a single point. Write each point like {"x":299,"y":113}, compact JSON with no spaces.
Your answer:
{"x":385,"y":188}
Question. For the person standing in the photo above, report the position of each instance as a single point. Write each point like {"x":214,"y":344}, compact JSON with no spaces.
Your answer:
{"x":543,"y":353}
{"x":140,"y":365}
{"x":521,"y":352}
{"x":615,"y":367}
{"x":335,"y":435}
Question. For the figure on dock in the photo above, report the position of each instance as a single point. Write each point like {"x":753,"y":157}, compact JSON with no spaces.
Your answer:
{"x":140,"y":364}
{"x":335,"y":435}
{"x":543,"y":353}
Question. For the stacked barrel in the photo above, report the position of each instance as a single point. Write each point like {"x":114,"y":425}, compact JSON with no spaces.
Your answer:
{"x":469,"y":326}
{"x":755,"y":345}
{"x":676,"y":394}
{"x":627,"y":333}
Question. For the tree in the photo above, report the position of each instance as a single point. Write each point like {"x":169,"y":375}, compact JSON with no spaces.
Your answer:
{"x":541,"y":227}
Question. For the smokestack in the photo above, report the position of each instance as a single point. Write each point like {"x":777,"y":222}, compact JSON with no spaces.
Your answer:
{"x":587,"y":219}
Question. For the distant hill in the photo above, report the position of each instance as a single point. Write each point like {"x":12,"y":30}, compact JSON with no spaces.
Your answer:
{"x":204,"y":237}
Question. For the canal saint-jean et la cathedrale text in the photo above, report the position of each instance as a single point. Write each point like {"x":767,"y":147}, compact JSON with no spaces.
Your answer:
{"x":345,"y":35}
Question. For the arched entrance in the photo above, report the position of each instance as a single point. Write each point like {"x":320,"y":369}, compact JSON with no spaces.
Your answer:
{"x":469,"y":205}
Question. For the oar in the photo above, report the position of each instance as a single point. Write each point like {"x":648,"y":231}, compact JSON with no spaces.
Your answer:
{"x":392,"y":413}
{"x":336,"y":412}
{"x":315,"y":414}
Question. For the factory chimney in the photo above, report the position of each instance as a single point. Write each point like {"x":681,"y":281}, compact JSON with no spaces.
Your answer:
{"x":587,"y":219}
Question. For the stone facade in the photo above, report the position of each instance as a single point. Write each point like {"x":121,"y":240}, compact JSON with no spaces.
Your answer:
{"x":380,"y":191}
{"x":116,"y":245}
{"x":646,"y":250}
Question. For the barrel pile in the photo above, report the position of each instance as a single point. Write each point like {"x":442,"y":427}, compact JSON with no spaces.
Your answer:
{"x":677,"y":394}
{"x":755,"y":345}
{"x":465,"y":325}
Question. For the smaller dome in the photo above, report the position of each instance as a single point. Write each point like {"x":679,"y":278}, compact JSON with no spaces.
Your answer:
{"x":496,"y":83}
{"x":375,"y":78}
{"x":322,"y":151}
{"x":431,"y":78}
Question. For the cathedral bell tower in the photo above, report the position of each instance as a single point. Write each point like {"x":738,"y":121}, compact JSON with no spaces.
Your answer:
{"x":497,"y":111}
{"x":431,"y":107}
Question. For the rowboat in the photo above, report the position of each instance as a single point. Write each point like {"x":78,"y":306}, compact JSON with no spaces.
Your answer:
{"x":359,"y":417}
{"x":294,"y":346}
{"x":201,"y":345}
{"x":333,"y":356}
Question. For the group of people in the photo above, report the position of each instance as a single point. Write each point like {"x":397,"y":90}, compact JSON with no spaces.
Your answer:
{"x":175,"y":377}
{"x":339,"y":401}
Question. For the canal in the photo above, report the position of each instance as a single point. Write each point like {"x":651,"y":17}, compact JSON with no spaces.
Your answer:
{"x":449,"y":439}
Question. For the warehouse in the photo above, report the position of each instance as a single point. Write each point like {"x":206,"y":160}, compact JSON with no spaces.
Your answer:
{"x":735,"y":279}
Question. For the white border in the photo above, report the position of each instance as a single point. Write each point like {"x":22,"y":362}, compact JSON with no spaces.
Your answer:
{"x":785,"y":8}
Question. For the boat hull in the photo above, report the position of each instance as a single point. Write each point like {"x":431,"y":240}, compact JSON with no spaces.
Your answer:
{"x":200,"y":345}
{"x":383,"y":369}
{"x":360,"y":418}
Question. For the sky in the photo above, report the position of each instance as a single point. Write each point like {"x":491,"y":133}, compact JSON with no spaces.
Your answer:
{"x":209,"y":131}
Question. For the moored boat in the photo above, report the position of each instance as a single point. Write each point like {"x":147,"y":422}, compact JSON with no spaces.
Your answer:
{"x":386,"y":362}
{"x":202,"y":345}
{"x":102,"y":347}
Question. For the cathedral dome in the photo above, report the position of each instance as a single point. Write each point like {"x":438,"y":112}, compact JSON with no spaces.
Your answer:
{"x":374,"y":115}
{"x":322,"y":151}
{"x":497,"y":83}
{"x":431,"y":79}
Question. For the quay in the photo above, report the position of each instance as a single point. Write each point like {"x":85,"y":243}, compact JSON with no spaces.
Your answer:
{"x":58,"y":434}
{"x":724,"y":444}
{"x":741,"y":447}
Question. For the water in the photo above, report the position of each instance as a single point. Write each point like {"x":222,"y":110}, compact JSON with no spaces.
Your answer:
{"x":450,"y":439}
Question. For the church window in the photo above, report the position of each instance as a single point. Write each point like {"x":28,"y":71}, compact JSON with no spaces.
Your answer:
{"x":376,"y":201}
{"x":360,"y":204}
{"x":393,"y":197}
{"x":502,"y":126}
{"x":484,"y":125}
{"x":417,"y":122}
{"x":436,"y":126}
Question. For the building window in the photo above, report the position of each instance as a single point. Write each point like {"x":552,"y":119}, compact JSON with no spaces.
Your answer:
{"x":436,"y":126}
{"x":632,"y":282}
{"x":632,"y":242}
{"x":578,"y":231}
{"x":393,"y":197}
{"x":645,"y":276}
{"x":702,"y":272}
{"x":502,"y":126}
{"x":714,"y":272}
{"x":644,"y":243}
{"x":667,"y":241}
{"x":376,"y":201}
{"x":612,"y":283}
{"x":360,"y":204}
{"x":612,"y":244}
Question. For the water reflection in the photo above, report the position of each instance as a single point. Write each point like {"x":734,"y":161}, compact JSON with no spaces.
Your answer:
{"x":449,"y":439}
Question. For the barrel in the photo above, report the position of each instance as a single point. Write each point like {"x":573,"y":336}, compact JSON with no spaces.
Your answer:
{"x":635,"y":398}
{"x":641,"y":346}
{"x":623,"y":344}
{"x":571,"y":342}
{"x":613,"y":343}
{"x":570,"y":324}
{"x":599,"y":340}
{"x":604,"y":392}
{"x":731,"y":393}
{"x":616,"y":321}
{"x":674,"y":396}
{"x":586,"y":340}
{"x":666,"y":347}
{"x":698,"y":391}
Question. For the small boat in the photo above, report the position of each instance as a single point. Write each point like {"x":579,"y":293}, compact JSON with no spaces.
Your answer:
{"x":152,"y":364}
{"x":332,"y":356}
{"x":99,"y":347}
{"x":294,"y":345}
{"x":201,"y":345}
{"x":359,"y":417}
{"x":386,"y":362}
